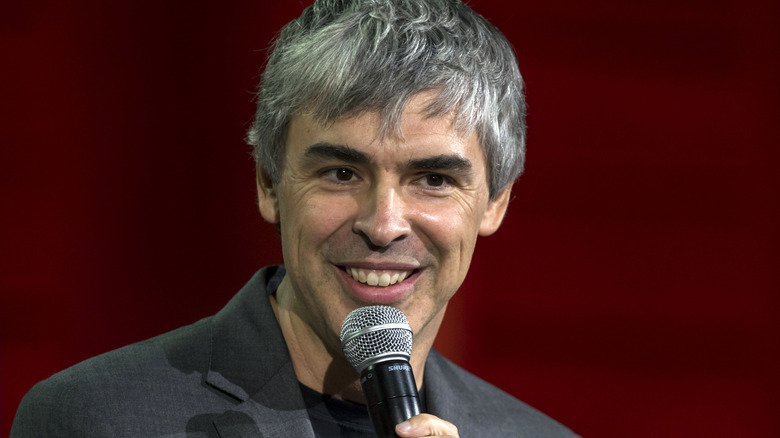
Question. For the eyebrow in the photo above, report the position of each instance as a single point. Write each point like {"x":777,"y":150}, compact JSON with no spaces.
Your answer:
{"x":336,"y":151}
{"x":345,"y":153}
{"x":441,"y":162}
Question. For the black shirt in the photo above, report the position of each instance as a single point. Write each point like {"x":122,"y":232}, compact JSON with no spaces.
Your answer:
{"x":334,"y":418}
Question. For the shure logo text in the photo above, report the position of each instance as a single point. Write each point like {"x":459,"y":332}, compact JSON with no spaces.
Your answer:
{"x":399,"y":368}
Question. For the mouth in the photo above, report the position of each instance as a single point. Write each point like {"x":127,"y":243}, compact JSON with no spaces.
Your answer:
{"x":378,"y":277}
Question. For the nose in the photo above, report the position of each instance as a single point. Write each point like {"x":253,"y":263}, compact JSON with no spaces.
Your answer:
{"x":382,"y":217}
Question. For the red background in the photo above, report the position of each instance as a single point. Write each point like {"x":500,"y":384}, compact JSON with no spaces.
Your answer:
{"x":632,"y":291}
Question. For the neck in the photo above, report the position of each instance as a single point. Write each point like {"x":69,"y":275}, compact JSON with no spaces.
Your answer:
{"x":319,"y":363}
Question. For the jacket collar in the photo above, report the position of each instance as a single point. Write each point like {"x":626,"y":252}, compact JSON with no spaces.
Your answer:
{"x":447,"y":396}
{"x":250,"y":362}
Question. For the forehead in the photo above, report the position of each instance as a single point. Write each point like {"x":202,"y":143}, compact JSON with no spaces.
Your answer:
{"x":418,"y":134}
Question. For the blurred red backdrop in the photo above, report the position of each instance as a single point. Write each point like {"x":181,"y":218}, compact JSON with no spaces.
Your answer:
{"x":632,"y":291}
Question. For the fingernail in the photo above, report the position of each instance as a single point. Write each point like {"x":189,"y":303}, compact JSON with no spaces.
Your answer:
{"x":404,"y":427}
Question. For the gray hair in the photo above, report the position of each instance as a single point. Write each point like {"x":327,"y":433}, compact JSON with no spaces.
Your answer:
{"x":341,"y":58}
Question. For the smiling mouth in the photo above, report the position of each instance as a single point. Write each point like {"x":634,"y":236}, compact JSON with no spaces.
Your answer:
{"x":376,"y":277}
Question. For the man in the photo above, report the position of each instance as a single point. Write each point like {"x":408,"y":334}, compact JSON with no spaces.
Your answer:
{"x":387,"y":138}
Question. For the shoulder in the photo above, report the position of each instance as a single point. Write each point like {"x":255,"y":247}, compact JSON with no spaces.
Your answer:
{"x":161,"y":386}
{"x":181,"y":351}
{"x":147,"y":376}
{"x":481,"y":408}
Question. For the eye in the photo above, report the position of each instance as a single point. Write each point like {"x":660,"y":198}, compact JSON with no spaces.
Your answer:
{"x":435,"y":183}
{"x":435,"y":180}
{"x":339,"y":175}
{"x":343,"y":174}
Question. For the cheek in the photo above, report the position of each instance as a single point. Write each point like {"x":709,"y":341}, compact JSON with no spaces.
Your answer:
{"x":453,"y":228}
{"x":311,"y":220}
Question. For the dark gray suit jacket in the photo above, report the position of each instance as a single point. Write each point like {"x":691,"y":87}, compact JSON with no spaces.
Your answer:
{"x":230,"y":375}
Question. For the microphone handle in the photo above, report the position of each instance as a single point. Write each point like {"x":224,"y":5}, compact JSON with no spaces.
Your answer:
{"x":391,"y":395}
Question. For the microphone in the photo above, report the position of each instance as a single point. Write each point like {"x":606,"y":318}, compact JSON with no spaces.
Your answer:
{"x":377,"y":341}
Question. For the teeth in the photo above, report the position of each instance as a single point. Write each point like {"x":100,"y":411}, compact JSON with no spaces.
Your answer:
{"x":378,"y":278}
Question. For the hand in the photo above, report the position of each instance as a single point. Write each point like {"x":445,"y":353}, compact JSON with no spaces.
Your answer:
{"x":426,"y":425}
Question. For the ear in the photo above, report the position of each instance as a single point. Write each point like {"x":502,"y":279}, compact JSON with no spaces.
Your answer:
{"x":267,"y":199}
{"x":495,"y":212}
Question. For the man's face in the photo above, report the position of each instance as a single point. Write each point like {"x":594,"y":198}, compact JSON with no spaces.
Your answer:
{"x":369,"y":220}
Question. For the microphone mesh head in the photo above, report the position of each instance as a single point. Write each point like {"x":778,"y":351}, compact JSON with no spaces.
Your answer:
{"x":372,"y":333}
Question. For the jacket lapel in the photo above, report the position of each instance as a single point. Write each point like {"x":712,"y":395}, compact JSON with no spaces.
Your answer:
{"x":250,"y":362}
{"x":277,"y":409}
{"x":445,"y":395}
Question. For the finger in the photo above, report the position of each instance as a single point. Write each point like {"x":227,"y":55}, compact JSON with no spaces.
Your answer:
{"x":426,"y":425}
